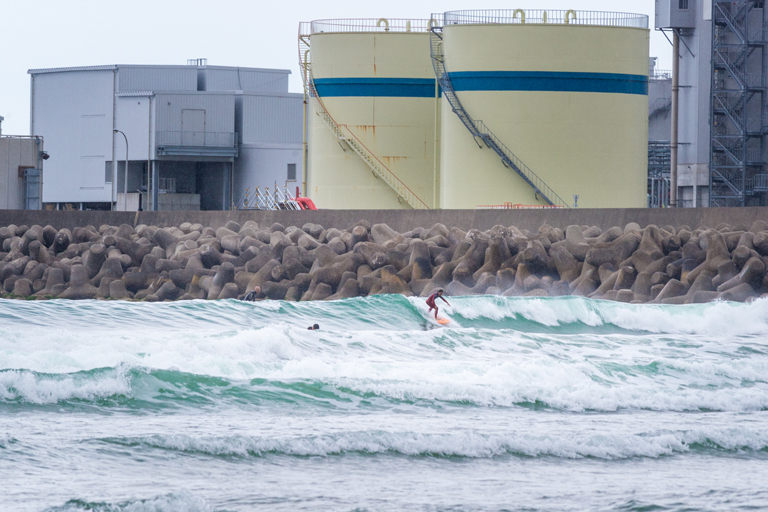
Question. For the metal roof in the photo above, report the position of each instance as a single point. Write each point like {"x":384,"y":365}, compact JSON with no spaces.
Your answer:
{"x":110,"y":67}
{"x":260,"y":70}
{"x":76,"y":68}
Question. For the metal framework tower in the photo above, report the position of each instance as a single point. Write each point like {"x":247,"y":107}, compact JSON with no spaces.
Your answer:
{"x":658,"y":174}
{"x":738,"y":124}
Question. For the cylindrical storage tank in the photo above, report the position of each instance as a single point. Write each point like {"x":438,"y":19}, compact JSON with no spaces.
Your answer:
{"x":375,"y":79}
{"x":565,"y":91}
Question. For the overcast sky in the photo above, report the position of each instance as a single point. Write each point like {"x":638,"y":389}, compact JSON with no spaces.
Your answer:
{"x":248,"y":33}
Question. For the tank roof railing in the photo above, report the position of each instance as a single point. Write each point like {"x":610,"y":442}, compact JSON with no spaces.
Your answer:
{"x":541,"y":16}
{"x":367,"y":25}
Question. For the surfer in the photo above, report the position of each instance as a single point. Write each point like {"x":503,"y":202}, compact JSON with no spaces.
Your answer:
{"x":251,"y":296}
{"x":313,"y":328}
{"x":431,"y":301}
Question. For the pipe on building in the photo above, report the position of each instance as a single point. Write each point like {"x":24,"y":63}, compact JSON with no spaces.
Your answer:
{"x":113,"y":196}
{"x":40,"y":160}
{"x":386,"y":24}
{"x":304,"y":127}
{"x":521,"y":13}
{"x":570,"y":15}
{"x":149,"y":151}
{"x":435,"y":170}
{"x":674,"y":112}
{"x":125,"y":174}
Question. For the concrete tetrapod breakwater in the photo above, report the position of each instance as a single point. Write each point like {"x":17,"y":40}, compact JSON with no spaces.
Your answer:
{"x":667,"y":264}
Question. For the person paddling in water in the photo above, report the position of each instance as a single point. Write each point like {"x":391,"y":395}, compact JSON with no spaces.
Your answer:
{"x":431,"y":301}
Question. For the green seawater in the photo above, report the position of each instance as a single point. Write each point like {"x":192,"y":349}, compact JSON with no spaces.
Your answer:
{"x":516,"y":404}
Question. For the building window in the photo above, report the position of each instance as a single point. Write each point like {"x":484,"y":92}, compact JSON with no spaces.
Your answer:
{"x":683,"y":5}
{"x":291,"y":172}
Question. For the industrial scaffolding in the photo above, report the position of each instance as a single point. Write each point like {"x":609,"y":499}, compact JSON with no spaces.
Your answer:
{"x":739,"y":124}
{"x":658,"y":173}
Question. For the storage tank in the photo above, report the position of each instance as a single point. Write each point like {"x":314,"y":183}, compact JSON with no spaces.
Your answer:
{"x":372,"y":122}
{"x":564,"y":92}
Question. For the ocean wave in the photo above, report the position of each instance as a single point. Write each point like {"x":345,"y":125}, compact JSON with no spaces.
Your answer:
{"x":462,"y":444}
{"x":43,"y":389}
{"x":717,"y":318}
{"x":177,"y":502}
{"x":537,"y":383}
{"x":390,"y":313}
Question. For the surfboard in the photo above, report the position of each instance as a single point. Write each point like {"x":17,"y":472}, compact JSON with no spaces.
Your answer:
{"x":443,"y":321}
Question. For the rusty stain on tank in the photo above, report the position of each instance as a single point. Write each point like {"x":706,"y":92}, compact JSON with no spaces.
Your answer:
{"x":365,"y":128}
{"x":393,"y":159}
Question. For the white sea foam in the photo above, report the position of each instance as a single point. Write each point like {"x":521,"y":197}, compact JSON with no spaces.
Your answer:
{"x":545,"y":312}
{"x":183,"y":501}
{"x":463,"y":444}
{"x":561,"y":386}
{"x":45,"y":389}
{"x":6,"y":440}
{"x":715,"y":319}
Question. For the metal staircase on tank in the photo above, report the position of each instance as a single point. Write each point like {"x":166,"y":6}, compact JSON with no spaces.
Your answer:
{"x":481,"y":132}
{"x":342,"y":132}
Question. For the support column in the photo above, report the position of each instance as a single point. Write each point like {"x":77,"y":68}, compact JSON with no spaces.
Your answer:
{"x":225,"y":193}
{"x":696,"y":190}
{"x":155,"y":185}
{"x":673,"y":141}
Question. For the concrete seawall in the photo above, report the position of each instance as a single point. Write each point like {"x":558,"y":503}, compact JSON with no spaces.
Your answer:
{"x":401,"y":220}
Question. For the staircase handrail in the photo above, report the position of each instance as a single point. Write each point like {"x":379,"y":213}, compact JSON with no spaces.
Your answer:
{"x":480,"y":130}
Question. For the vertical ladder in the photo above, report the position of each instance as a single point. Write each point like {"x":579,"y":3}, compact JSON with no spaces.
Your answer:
{"x":480,"y":131}
{"x":342,"y":131}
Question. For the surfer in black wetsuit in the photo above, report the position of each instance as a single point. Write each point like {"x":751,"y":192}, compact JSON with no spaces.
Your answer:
{"x":431,"y":301}
{"x":314,"y":328}
{"x":251,"y":296}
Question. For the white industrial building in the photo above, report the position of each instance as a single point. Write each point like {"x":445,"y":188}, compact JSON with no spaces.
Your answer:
{"x":198,"y":136}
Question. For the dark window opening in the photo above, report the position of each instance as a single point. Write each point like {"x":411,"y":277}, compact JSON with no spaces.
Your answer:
{"x":292,"y":172}
{"x":683,"y":5}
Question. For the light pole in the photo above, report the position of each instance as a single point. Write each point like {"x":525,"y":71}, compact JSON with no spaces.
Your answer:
{"x":125,"y":193}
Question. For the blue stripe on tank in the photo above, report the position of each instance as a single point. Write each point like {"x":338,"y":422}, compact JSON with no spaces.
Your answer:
{"x":549,"y":81}
{"x":376,"y":87}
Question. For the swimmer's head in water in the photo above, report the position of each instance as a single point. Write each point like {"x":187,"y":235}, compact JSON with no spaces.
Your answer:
{"x":313,"y":328}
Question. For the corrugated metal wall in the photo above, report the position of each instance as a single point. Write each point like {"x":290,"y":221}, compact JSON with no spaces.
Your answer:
{"x":219,"y":110}
{"x":271,"y":118}
{"x":246,"y":79}
{"x":14,"y":153}
{"x":157,"y":78}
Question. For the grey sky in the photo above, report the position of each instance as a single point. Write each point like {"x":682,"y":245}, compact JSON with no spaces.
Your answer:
{"x":55,"y":33}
